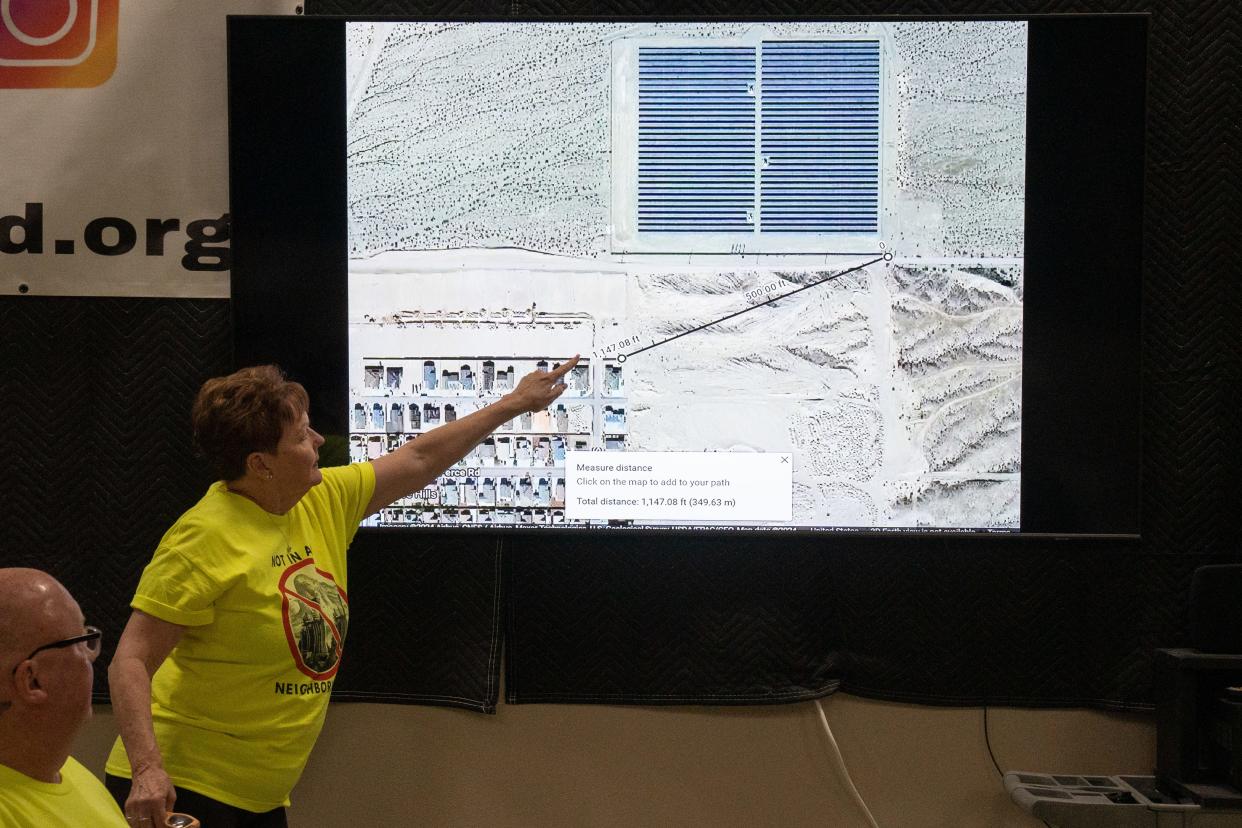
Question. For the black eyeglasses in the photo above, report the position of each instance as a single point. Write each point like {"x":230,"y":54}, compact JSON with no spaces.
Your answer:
{"x":92,"y":638}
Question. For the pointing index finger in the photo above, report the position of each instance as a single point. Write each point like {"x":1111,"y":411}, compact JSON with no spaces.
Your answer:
{"x":564,"y":368}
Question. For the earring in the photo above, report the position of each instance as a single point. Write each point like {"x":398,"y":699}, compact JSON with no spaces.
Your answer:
{"x":270,"y":475}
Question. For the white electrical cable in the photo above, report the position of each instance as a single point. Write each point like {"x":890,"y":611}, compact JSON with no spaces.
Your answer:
{"x":845,"y":773}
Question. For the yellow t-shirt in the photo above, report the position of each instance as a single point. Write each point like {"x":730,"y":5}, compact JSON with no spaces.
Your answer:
{"x":239,"y":702}
{"x":78,"y":799}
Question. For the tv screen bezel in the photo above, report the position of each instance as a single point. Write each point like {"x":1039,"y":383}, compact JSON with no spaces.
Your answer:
{"x":288,"y":194}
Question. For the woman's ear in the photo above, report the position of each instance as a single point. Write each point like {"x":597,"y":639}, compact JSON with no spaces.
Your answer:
{"x":257,"y":466}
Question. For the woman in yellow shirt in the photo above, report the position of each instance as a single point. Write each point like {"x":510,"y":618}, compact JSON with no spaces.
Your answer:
{"x":221,"y":678}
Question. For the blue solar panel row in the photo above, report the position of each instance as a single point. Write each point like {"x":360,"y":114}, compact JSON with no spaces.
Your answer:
{"x":801,"y":117}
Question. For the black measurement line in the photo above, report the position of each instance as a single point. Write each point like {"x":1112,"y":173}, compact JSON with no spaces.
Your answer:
{"x":756,"y":253}
{"x":753,"y":307}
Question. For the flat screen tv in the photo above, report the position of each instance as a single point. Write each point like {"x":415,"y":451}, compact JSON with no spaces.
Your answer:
{"x":852,"y":275}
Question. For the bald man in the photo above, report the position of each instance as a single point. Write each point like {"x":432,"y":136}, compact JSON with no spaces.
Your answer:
{"x":46,"y":674}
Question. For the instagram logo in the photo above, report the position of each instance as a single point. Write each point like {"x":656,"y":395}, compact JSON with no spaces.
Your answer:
{"x":65,"y":43}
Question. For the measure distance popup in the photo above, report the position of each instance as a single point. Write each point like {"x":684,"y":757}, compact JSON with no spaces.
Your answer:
{"x":679,"y":486}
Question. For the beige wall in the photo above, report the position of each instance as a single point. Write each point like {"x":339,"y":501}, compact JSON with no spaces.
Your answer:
{"x":569,"y":765}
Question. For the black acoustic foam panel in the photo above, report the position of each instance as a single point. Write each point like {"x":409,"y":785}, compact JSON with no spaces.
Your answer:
{"x":95,"y":428}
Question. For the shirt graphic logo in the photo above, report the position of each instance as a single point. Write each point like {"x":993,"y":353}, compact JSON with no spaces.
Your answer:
{"x":316,"y":616}
{"x":57,"y":43}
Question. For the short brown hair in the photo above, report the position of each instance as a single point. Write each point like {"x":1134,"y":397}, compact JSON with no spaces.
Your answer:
{"x":244,"y":412}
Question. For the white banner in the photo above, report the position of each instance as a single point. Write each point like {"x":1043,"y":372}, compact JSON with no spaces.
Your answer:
{"x":114,"y":146}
